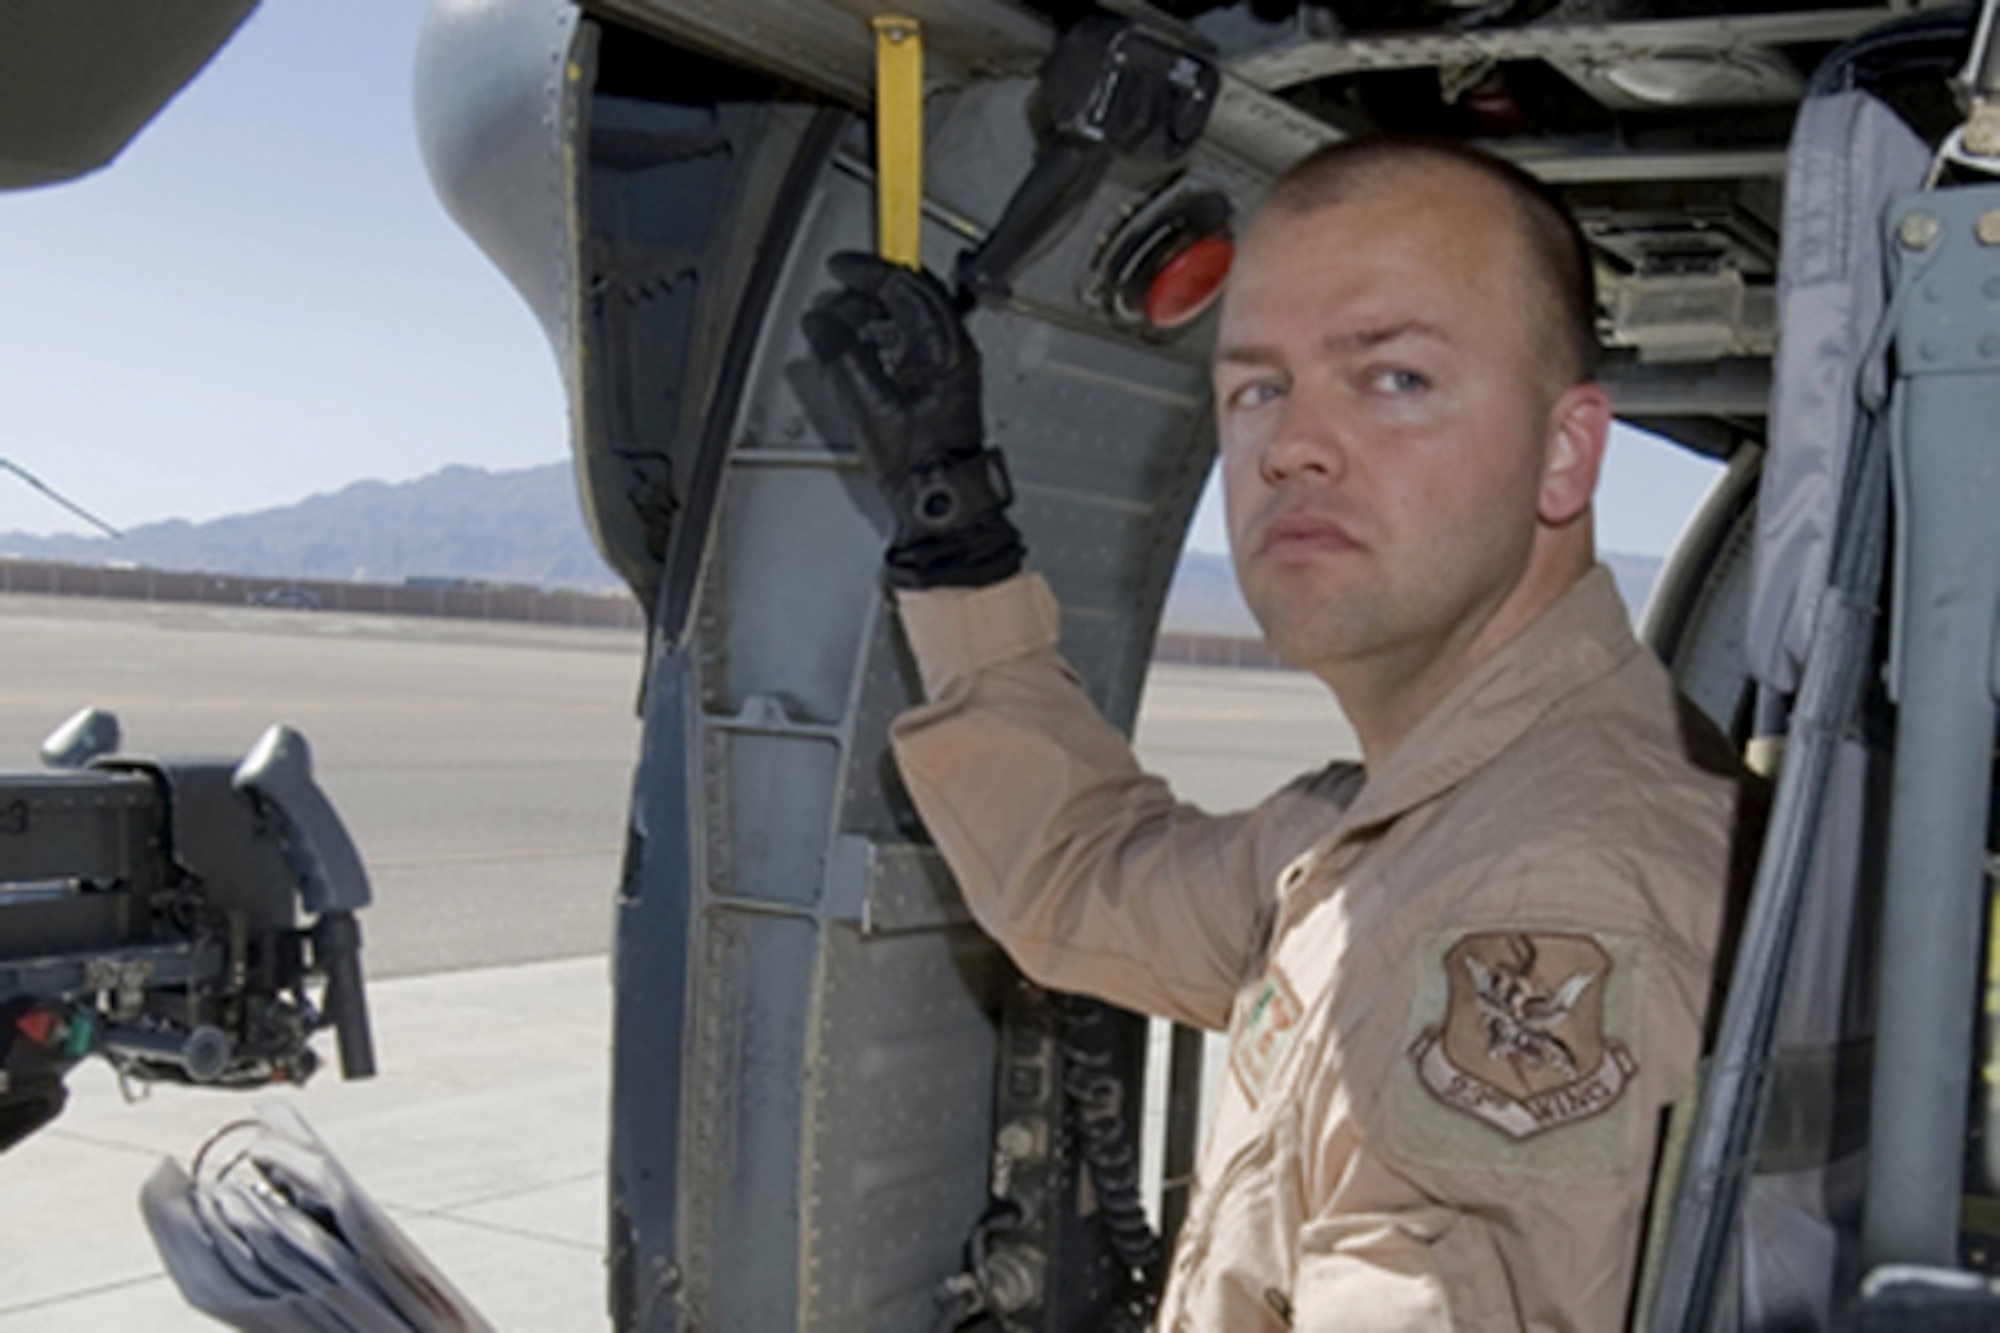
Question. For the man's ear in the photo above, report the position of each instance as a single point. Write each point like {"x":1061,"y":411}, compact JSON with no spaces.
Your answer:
{"x":1579,"y":424}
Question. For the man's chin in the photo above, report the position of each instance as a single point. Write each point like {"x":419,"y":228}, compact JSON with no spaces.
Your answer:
{"x":1303,"y":634}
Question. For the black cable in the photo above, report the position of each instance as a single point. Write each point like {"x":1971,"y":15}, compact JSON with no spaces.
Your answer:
{"x":1096,"y":1100}
{"x":1097,"y":1115}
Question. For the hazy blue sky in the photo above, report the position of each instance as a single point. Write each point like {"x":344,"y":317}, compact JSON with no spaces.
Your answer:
{"x":262,"y":299}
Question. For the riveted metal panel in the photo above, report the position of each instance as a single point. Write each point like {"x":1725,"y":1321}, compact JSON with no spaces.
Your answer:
{"x":755,"y":974}
{"x":800,"y":647}
{"x":886,"y":887}
{"x":874,"y":802}
{"x":753,"y":775}
{"x":905,"y":1043}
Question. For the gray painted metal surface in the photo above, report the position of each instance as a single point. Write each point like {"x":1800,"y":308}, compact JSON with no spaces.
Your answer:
{"x":835,"y":1077}
{"x":498,"y":106}
{"x":1947,"y":599}
{"x":80,"y":78}
{"x":1740,"y":387}
{"x":502,"y":113}
{"x":827,"y":45}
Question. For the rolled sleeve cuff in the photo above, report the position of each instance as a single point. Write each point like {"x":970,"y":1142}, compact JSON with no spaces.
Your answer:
{"x":957,"y":632}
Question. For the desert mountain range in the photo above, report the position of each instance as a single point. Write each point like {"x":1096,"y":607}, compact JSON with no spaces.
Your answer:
{"x":520,"y":526}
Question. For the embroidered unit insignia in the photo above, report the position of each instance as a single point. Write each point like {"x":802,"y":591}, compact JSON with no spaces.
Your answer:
{"x":1522,"y":1045}
{"x":1264,"y":1035}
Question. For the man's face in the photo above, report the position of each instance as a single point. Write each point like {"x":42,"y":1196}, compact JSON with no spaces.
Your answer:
{"x":1384,"y":398}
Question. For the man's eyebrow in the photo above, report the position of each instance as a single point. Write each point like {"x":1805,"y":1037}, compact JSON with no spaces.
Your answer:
{"x":1362,"y":339}
{"x":1257,"y":354}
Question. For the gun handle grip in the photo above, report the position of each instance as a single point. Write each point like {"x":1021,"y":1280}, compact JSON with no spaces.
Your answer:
{"x":1062,"y":178}
{"x":337,"y":949}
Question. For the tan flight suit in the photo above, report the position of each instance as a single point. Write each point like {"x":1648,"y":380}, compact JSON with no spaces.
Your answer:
{"x":1460,"y":992}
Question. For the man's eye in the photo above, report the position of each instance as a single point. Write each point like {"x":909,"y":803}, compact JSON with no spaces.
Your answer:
{"x":1398,"y":381}
{"x":1254,"y":394}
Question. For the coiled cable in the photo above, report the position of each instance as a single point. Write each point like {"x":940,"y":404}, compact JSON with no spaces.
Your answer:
{"x":1103,"y":1136}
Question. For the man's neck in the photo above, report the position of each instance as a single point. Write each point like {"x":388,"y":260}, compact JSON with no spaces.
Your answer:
{"x":1387,"y":695}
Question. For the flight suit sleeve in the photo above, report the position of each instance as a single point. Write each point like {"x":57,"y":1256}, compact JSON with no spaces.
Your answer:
{"x":1507,"y":1104}
{"x":1081,"y":865}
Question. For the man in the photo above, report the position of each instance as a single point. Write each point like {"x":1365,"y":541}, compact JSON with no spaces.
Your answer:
{"x":1463,"y":979}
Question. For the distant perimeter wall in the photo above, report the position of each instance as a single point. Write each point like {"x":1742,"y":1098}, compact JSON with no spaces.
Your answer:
{"x":462,"y":601}
{"x":1219,"y":650}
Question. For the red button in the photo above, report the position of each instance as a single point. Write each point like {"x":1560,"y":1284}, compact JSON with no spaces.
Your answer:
{"x":1189,"y":282}
{"x":36,"y":1025}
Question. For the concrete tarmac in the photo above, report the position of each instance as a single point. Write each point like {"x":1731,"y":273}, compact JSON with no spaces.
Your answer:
{"x":484,"y":771}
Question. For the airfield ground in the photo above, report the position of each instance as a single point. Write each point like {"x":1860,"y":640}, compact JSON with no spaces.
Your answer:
{"x":484,"y":771}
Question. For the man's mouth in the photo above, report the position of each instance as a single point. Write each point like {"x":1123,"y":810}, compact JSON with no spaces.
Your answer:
{"x":1299,"y":535}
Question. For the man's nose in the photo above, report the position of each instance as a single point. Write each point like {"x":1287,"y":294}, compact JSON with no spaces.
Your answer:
{"x":1309,"y":442}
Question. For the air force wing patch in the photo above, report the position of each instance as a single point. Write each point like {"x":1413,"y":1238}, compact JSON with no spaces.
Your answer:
{"x":1522,"y":1043}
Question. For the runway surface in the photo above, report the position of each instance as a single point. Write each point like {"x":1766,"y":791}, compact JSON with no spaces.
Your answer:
{"x":485,"y":769}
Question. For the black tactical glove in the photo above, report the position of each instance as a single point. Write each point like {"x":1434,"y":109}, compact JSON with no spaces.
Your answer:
{"x":899,"y":362}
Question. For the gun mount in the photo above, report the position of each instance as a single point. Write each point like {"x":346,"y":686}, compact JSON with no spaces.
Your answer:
{"x":151,"y":913}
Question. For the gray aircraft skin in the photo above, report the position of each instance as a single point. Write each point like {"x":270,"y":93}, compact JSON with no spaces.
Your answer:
{"x":79,"y":81}
{"x":836,"y":1105}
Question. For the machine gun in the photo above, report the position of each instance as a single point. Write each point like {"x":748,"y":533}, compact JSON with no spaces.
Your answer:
{"x":150,"y":913}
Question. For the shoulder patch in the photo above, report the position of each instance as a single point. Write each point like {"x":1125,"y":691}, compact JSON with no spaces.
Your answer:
{"x":1522,"y":1044}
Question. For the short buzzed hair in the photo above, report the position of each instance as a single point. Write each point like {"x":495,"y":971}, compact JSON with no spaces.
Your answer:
{"x":1554,"y":243}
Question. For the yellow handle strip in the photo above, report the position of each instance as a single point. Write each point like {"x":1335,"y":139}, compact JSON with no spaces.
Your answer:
{"x":899,"y":138}
{"x":1991,"y":1069}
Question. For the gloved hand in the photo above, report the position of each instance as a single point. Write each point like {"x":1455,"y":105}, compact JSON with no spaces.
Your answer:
{"x":903,"y":369}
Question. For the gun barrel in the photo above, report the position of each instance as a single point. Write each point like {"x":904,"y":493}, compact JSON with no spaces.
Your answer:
{"x":204,"y":1053}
